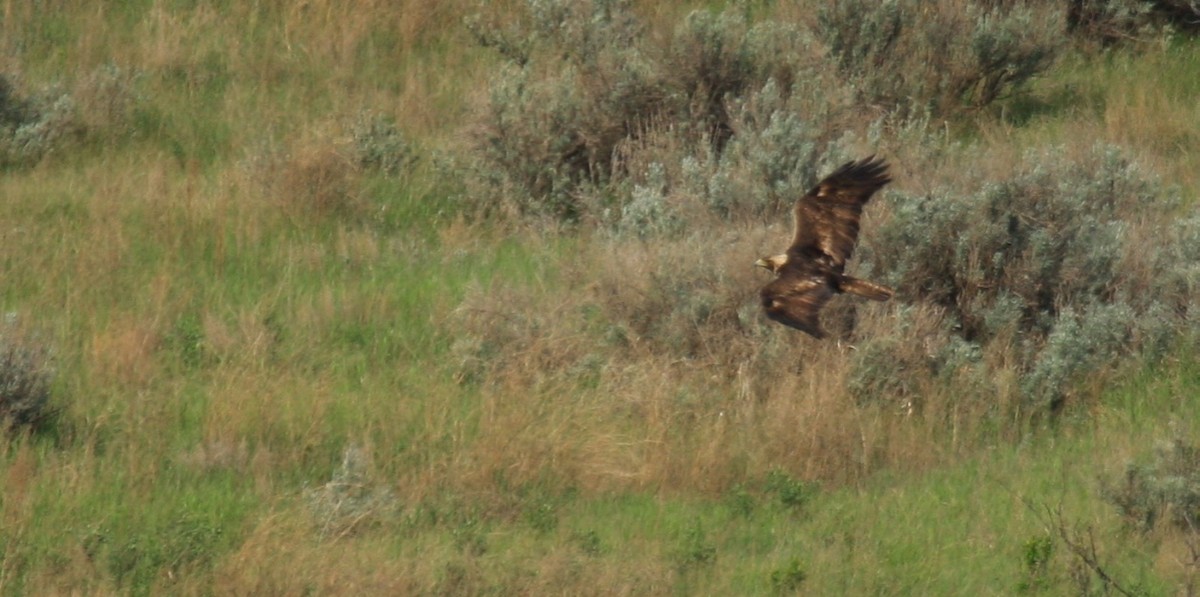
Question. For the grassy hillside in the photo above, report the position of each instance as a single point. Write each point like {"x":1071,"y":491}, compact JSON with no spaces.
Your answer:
{"x":370,"y":298}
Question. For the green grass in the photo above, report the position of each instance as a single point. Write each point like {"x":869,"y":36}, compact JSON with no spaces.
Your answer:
{"x":216,"y":354}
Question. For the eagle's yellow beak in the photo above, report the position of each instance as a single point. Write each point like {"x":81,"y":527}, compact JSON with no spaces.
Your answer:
{"x":762,"y":263}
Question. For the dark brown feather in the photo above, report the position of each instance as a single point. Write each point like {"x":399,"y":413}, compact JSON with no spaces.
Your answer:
{"x":826,"y":218}
{"x":864,"y":288}
{"x":826,"y":230}
{"x":796,"y":300}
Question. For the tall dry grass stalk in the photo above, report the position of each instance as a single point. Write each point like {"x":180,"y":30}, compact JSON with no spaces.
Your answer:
{"x":620,"y":384}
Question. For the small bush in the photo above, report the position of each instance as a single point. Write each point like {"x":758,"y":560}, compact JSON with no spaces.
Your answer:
{"x":312,"y":177}
{"x":379,"y":145}
{"x":351,"y":500}
{"x":902,"y":367}
{"x":1079,"y":345}
{"x":778,"y":149}
{"x":1166,"y":489}
{"x":648,"y":212}
{"x":26,"y":374}
{"x":695,"y":550}
{"x":98,"y":105}
{"x":714,"y":59}
{"x":792,"y":492}
{"x":34,"y":126}
{"x":1035,"y":556}
{"x":588,"y":542}
{"x":789,"y":578}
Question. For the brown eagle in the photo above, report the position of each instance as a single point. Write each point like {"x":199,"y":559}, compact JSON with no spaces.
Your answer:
{"x":810,"y":272}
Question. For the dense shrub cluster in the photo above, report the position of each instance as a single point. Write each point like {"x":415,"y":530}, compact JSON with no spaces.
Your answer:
{"x":1071,"y":262}
{"x":913,"y":56}
{"x":1015,"y":283}
{"x":584,"y":81}
{"x":731,"y":112}
{"x":1016,"y":288}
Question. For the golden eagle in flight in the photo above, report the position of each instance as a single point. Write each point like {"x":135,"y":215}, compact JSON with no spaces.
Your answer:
{"x":810,"y":272}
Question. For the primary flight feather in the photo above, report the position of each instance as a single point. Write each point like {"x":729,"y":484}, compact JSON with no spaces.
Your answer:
{"x":826,"y":228}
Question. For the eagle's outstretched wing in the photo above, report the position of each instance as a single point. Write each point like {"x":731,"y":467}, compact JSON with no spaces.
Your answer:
{"x":827,"y":217}
{"x":795,"y":300}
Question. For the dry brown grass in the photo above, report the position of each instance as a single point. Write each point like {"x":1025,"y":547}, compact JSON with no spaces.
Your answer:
{"x":279,"y":558}
{"x":426,"y":565}
{"x":654,"y":370}
{"x":314,"y":179}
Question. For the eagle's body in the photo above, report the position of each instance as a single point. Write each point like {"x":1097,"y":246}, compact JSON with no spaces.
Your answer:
{"x":826,"y":228}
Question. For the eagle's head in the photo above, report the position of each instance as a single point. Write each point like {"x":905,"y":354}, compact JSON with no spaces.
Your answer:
{"x":773,"y":263}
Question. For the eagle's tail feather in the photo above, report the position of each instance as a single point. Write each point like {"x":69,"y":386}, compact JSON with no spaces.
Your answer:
{"x":865,"y":289}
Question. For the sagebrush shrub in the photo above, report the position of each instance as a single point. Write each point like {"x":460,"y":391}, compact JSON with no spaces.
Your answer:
{"x":1053,"y":235}
{"x":378,"y":144}
{"x":648,"y":212}
{"x":774,"y":155}
{"x":32,"y":127}
{"x":714,"y":59}
{"x":583,"y":82}
{"x":575,"y":84}
{"x":901,"y":368}
{"x":1046,"y":262}
{"x":99,"y":104}
{"x":1166,"y":488}
{"x":1080,"y":344}
{"x":26,"y":373}
{"x":754,"y":109}
{"x":912,"y":56}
